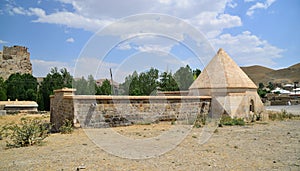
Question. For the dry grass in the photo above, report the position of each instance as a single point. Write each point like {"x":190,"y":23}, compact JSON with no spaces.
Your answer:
{"x":7,"y":119}
{"x":283,"y":115}
{"x":272,"y":146}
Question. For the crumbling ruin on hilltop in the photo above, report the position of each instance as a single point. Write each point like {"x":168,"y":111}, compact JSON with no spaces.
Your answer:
{"x":15,"y":59}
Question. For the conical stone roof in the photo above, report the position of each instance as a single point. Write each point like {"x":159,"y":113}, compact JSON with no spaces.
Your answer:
{"x":222,"y":72}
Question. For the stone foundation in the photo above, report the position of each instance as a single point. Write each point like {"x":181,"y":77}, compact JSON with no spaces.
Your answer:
{"x":109,"y":111}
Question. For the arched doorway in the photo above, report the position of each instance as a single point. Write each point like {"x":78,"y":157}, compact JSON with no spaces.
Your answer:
{"x":251,"y":108}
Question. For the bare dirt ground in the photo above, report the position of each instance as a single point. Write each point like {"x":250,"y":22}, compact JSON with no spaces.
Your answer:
{"x":272,"y":145}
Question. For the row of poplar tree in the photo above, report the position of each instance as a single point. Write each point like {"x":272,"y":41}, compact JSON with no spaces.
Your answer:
{"x":26,"y":87}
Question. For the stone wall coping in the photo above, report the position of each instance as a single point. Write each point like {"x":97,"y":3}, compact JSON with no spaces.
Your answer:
{"x":64,"y":90}
{"x":22,"y":106}
{"x":19,"y":103}
{"x":223,"y":88}
{"x":104,"y":97}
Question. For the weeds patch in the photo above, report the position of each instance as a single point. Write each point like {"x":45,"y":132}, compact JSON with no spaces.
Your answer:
{"x":283,"y":115}
{"x":27,"y":133}
{"x":227,"y":120}
{"x":67,"y":127}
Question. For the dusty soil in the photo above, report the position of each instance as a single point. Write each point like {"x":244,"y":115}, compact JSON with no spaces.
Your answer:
{"x":272,"y":145}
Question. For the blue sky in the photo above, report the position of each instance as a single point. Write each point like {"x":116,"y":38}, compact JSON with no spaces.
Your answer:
{"x":77,"y":34}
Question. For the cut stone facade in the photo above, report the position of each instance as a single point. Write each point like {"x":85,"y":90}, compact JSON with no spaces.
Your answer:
{"x":222,"y":88}
{"x":15,"y":59}
{"x":232,"y":91}
{"x":18,"y":106}
{"x":109,"y":111}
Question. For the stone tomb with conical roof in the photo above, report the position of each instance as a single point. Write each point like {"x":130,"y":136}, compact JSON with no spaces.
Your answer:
{"x":232,"y":91}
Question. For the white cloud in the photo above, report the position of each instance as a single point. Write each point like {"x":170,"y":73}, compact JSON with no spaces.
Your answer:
{"x":248,"y":49}
{"x":41,"y":67}
{"x":92,"y":15}
{"x":259,"y":5}
{"x":84,"y":66}
{"x":3,"y":42}
{"x":213,"y":24}
{"x":70,"y":40}
{"x":38,"y":12}
{"x":98,"y":68}
{"x":124,"y":46}
{"x":21,"y":11}
{"x":232,"y":4}
{"x":156,"y":48}
{"x":148,"y":43}
{"x":69,"y":19}
{"x":207,"y":16}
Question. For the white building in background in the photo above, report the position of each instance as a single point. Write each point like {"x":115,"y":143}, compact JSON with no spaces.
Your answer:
{"x":295,"y":91}
{"x":280,"y":90}
{"x":288,"y":86}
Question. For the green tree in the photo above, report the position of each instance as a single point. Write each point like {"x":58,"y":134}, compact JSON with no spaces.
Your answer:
{"x":21,"y":87}
{"x":261,"y":91}
{"x":134,"y":86}
{"x":184,"y":77}
{"x":126,"y":85}
{"x":261,"y":85}
{"x":67,"y":77}
{"x":2,"y":90}
{"x":85,"y":87}
{"x":91,"y":86}
{"x":15,"y":89}
{"x":105,"y":88}
{"x":30,"y":86}
{"x":54,"y":80}
{"x":148,"y":82}
{"x":196,"y":73}
{"x":167,"y":82}
{"x":271,"y":86}
{"x":143,"y":84}
{"x":80,"y":86}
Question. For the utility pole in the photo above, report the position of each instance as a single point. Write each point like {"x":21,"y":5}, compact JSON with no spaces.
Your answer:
{"x":112,"y":82}
{"x":295,"y":86}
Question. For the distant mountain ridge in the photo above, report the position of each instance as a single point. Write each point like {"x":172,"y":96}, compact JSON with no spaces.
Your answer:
{"x":260,"y":74}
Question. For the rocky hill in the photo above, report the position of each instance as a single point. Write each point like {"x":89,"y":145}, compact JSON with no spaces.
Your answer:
{"x":260,"y":74}
{"x":15,"y":59}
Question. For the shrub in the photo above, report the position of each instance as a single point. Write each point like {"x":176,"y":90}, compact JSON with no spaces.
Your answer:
{"x":143,"y":123}
{"x":256,"y":117}
{"x":281,"y":115}
{"x":28,"y":132}
{"x":200,"y":121}
{"x":227,"y":120}
{"x":173,"y":122}
{"x":67,"y":127}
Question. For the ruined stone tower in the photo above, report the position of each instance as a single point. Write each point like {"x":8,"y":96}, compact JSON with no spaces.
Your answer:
{"x":15,"y":59}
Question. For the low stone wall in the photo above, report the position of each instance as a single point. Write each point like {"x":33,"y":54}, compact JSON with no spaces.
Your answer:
{"x":106,"y":111}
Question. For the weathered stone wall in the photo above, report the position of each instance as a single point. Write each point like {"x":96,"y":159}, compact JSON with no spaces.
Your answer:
{"x":61,"y":108}
{"x":235,"y":102}
{"x":15,"y":59}
{"x":106,"y":111}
